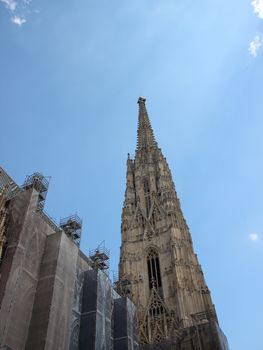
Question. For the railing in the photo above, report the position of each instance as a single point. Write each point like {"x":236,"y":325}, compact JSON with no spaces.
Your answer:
{"x":49,"y":220}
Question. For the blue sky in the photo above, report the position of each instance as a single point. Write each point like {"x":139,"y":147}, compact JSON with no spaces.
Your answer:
{"x":70,"y":76}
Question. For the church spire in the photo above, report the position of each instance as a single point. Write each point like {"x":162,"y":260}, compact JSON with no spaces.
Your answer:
{"x":158,"y":263}
{"x":145,"y":136}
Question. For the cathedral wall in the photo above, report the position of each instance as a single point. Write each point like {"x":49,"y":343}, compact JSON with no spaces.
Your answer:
{"x":206,"y":336}
{"x":62,"y":302}
{"x":52,"y":313}
{"x":17,"y":211}
{"x":125,"y":325}
{"x":49,"y":291}
{"x":108,"y":322}
{"x":96,"y":313}
{"x":26,"y":235}
{"x":83,"y":265}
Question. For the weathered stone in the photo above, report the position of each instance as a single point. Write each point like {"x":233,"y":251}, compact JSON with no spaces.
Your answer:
{"x":50,"y":297}
{"x":26,"y":235}
{"x":53,"y":305}
{"x":158,"y":267}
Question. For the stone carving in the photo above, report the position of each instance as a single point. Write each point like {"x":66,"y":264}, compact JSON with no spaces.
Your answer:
{"x":157,"y":323}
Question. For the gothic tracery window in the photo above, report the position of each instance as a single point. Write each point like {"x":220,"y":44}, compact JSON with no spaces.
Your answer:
{"x":154,"y":274}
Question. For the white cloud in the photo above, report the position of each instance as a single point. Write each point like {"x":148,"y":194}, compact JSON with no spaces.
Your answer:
{"x":258,"y":7}
{"x":253,"y":237}
{"x":18,"y":20}
{"x":19,"y":9}
{"x":255,"y":45}
{"x":10,"y":4}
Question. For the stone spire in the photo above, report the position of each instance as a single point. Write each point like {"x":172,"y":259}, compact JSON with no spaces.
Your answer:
{"x":145,"y":136}
{"x":157,"y":259}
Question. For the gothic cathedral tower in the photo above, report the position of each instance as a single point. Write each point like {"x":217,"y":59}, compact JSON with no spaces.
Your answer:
{"x":158,"y":268}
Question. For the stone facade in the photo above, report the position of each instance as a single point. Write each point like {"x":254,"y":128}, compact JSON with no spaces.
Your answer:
{"x":51,"y":298}
{"x":158,"y":267}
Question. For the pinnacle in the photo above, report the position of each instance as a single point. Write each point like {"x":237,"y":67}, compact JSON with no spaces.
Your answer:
{"x":146,"y":138}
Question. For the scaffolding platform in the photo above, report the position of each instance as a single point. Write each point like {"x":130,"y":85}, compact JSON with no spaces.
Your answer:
{"x":72,"y":226}
{"x":100,"y":257}
{"x":40,"y":183}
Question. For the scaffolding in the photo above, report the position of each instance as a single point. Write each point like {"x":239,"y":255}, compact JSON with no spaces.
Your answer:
{"x":40,"y":183}
{"x":72,"y":226}
{"x":100,"y":257}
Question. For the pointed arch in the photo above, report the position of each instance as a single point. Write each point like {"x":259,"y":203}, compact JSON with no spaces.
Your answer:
{"x":154,"y":270}
{"x":157,"y":322}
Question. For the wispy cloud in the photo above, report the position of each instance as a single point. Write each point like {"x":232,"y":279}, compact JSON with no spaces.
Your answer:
{"x":253,"y":237}
{"x":10,"y":4}
{"x":19,"y":10}
{"x":18,"y":20}
{"x":255,"y":45}
{"x":258,"y":7}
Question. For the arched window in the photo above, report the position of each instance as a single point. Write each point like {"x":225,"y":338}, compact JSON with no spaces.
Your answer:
{"x":154,"y":274}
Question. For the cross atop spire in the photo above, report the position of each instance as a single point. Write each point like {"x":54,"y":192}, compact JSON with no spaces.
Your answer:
{"x":145,"y":136}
